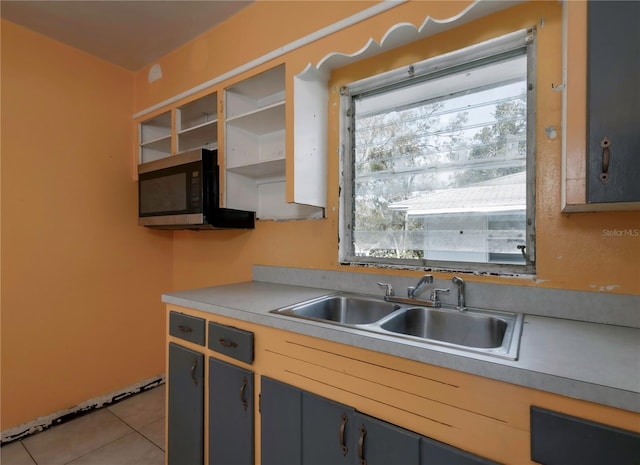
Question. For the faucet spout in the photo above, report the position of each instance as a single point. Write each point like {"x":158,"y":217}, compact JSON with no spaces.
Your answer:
{"x":413,"y":291}
{"x":459,"y":282}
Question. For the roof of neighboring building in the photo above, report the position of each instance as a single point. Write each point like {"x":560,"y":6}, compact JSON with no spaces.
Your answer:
{"x":507,"y":193}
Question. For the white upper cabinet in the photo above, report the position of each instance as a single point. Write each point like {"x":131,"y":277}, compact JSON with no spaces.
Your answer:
{"x":255,"y":148}
{"x":155,"y":138}
{"x":310,"y":145}
{"x":197,"y":124}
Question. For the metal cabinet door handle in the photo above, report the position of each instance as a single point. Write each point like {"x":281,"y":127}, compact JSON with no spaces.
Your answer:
{"x":243,"y":388}
{"x":343,"y":425}
{"x":184,"y":329}
{"x":194,"y":367}
{"x":226,"y":343}
{"x":606,"y":158}
{"x":363,"y":433}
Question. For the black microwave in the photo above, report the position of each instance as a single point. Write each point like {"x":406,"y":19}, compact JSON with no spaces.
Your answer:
{"x":182,"y":192}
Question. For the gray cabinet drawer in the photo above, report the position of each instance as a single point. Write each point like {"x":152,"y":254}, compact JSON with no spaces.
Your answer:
{"x":234,"y":342}
{"x":187,"y":327}
{"x":559,"y":439}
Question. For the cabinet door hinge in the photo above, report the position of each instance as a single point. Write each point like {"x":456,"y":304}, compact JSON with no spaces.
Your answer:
{"x":260,"y":403}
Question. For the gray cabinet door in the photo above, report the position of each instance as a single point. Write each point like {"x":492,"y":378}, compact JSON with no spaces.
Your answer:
{"x":613,"y":96}
{"x":433,"y":452}
{"x":559,"y":439}
{"x":328,"y":430}
{"x":380,"y":443}
{"x":280,"y":423}
{"x":185,"y":439}
{"x":231,"y":414}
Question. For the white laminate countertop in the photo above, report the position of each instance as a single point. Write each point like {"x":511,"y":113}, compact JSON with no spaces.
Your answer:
{"x":589,"y":361}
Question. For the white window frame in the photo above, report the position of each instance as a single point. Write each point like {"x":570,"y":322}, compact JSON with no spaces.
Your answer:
{"x":471,"y":56}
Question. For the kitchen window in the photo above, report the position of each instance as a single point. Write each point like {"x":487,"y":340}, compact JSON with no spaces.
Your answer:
{"x":438,"y":166}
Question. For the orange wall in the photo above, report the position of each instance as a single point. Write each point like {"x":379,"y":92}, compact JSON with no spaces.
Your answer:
{"x":253,"y":32}
{"x":81,"y":282}
{"x":573,"y":251}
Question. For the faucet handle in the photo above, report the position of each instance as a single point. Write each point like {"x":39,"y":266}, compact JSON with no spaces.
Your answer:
{"x":411,"y":290}
{"x":435,"y":294}
{"x":389,"y":289}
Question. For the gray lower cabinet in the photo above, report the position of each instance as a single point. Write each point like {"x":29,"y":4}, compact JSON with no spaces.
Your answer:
{"x":328,"y":430}
{"x":299,"y":427}
{"x":231,"y":414}
{"x":434,"y":452}
{"x":280,"y":423}
{"x":559,"y":439}
{"x":381,"y":443}
{"x":185,"y":440}
{"x":613,"y":96}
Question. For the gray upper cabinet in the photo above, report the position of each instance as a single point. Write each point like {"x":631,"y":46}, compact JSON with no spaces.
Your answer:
{"x":186,"y":406}
{"x":231,"y":414}
{"x":613,"y":101}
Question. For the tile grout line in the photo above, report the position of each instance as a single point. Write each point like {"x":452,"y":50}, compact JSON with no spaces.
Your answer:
{"x":129,"y":430}
{"x":131,"y":426}
{"x":100,"y":447}
{"x":42,"y":424}
{"x":140,"y":432}
{"x":148,"y":439}
{"x":124,"y":434}
{"x":142,"y":426}
{"x":28,"y":453}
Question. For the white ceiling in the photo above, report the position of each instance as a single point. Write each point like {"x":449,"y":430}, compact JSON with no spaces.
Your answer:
{"x":131,"y":34}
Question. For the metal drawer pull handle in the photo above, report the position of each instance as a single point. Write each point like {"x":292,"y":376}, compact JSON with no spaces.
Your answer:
{"x":193,"y":371}
{"x":225,"y":343}
{"x":606,"y":158}
{"x":343,"y":425}
{"x":242,"y":392}
{"x":363,"y":433}
{"x":184,"y":329}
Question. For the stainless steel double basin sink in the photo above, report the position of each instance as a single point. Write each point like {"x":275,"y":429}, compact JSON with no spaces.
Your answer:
{"x":487,"y":332}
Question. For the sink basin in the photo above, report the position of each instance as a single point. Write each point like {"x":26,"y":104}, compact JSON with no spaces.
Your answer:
{"x":348,"y":310}
{"x":460,"y":328}
{"x":486,"y":332}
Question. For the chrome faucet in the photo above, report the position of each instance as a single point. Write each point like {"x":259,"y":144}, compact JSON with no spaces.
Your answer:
{"x":388,"y":289}
{"x":461,"y":292}
{"x":412,"y":291}
{"x":435,"y":296}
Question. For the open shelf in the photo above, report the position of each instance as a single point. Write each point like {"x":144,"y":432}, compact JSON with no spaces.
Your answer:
{"x":261,"y":121}
{"x":155,"y":138}
{"x":255,"y":144}
{"x":204,"y":135}
{"x":197,"y":113}
{"x":197,"y":124}
{"x":261,"y":170}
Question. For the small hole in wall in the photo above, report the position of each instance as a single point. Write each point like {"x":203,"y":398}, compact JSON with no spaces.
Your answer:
{"x":155,"y":73}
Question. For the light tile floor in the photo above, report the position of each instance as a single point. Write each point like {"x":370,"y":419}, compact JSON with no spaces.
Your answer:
{"x":130,"y":432}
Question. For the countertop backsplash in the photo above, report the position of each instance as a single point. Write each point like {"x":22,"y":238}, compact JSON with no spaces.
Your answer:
{"x":595,"y":307}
